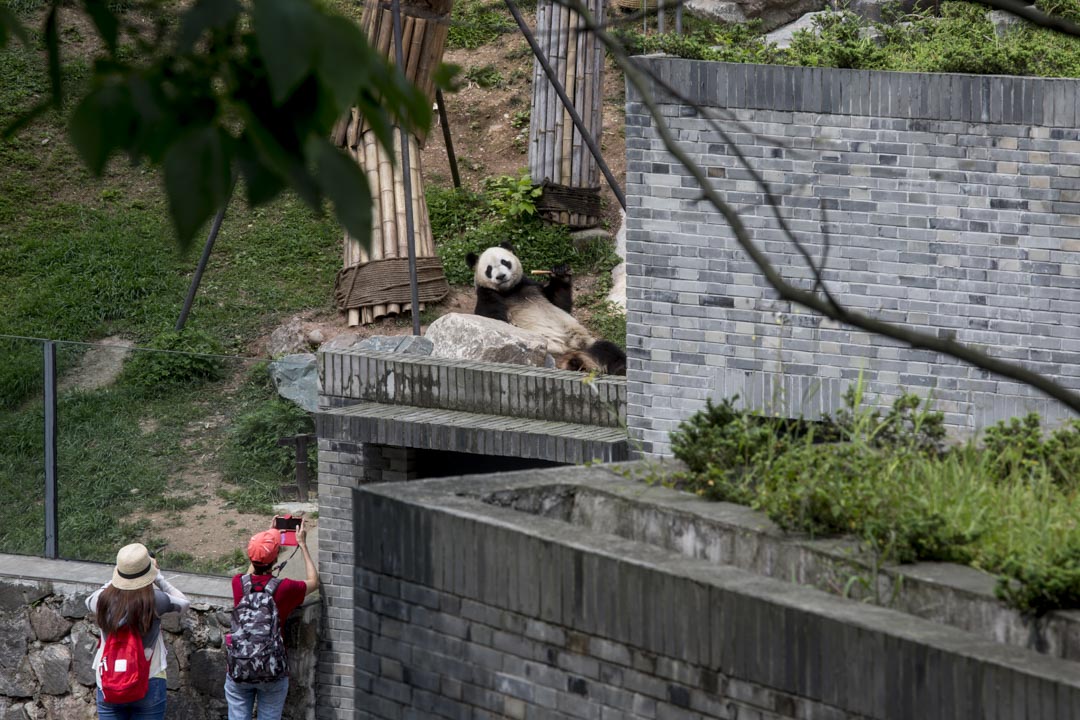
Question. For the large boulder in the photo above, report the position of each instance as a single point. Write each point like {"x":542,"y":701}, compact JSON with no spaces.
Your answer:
{"x":457,"y":336}
{"x":296,"y":378}
{"x":15,"y":633}
{"x":771,"y":13}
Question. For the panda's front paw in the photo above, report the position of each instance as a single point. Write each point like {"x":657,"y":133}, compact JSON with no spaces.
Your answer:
{"x":562,"y":272}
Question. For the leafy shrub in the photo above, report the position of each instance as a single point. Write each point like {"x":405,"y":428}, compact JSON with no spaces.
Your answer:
{"x":511,"y":196}
{"x":254,"y":460}
{"x":486,"y":76}
{"x":885,"y":479}
{"x":1017,"y":448}
{"x":171,"y":360}
{"x":903,"y":426}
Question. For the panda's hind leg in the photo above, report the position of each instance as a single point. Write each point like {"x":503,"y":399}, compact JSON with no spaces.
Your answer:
{"x":608,"y":356}
{"x":559,"y":289}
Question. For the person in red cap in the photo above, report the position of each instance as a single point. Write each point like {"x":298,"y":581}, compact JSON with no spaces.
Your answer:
{"x":288,"y":594}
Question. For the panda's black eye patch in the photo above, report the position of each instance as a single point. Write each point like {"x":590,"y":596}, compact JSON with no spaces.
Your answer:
{"x":488,"y":272}
{"x":507,"y":263}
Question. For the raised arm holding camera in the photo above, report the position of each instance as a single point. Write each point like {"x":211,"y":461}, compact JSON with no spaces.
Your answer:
{"x":257,"y":666}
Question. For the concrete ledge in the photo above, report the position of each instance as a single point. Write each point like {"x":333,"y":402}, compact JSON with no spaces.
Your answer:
{"x":435,"y":429}
{"x":512,"y":390}
{"x":602,"y":599}
{"x":1050,"y":102}
{"x":74,"y":576}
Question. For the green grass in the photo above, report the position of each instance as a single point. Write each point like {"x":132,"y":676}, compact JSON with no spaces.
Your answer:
{"x":84,"y":258}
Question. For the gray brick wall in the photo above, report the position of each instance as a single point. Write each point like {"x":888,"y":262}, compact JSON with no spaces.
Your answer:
{"x":344,"y":466}
{"x":950,"y":203}
{"x":466,"y":610}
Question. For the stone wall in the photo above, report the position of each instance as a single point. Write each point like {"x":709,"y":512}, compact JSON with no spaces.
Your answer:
{"x":381,"y":411}
{"x":465,"y":609}
{"x":951,"y":205}
{"x":47,"y":645}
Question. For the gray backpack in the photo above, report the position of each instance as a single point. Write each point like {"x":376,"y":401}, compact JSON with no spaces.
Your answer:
{"x":255,"y":652}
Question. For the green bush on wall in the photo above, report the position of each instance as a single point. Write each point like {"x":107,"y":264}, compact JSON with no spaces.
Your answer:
{"x":1007,"y":504}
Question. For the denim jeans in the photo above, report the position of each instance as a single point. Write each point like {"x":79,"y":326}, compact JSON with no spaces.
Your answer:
{"x":151,"y":707}
{"x":242,"y":696}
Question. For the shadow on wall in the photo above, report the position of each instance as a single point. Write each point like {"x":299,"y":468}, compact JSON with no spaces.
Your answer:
{"x":47,"y":646}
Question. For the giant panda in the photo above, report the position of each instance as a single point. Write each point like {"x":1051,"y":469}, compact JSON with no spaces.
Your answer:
{"x":504,"y":293}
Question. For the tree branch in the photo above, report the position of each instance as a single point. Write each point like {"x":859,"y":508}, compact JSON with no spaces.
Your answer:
{"x":810,"y":299}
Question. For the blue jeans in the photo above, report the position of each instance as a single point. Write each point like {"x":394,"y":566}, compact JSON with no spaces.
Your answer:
{"x":151,"y":707}
{"x":271,"y":696}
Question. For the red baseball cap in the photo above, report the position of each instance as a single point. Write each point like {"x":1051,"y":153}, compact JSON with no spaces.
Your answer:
{"x":263,"y":547}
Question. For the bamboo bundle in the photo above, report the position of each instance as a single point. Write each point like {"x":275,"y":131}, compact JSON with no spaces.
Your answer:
{"x":558,"y":153}
{"x":425,"y":26}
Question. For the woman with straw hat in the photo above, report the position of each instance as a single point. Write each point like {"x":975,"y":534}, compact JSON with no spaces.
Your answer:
{"x":135,"y":599}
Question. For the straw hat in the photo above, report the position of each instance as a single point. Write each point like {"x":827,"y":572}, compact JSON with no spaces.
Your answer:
{"x":263,"y":547}
{"x":134,"y":568}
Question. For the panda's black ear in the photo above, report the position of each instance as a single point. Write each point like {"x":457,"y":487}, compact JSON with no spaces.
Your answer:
{"x":471,"y":259}
{"x":505,"y":245}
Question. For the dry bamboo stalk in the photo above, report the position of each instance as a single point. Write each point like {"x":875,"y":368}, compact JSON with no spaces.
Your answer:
{"x":407,"y":24}
{"x":415,"y":47}
{"x":570,"y":86}
{"x":554,"y":139}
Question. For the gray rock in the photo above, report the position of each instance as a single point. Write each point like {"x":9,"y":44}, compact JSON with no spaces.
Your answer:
{"x":206,"y":672}
{"x":51,"y":666}
{"x":184,"y":706}
{"x":296,"y":378}
{"x":170,"y":622}
{"x":342,"y":341}
{"x":783,"y":36}
{"x":83,"y":648}
{"x":771,"y":13}
{"x":412,"y":344}
{"x":74,"y":606}
{"x":18,"y":682}
{"x":15,"y":712}
{"x":49,"y":625}
{"x":68,"y":707}
{"x":472,"y":337}
{"x":1005,"y":22}
{"x":172,"y":672}
{"x":14,"y":635}
{"x":288,"y":339}
{"x":16,"y":595}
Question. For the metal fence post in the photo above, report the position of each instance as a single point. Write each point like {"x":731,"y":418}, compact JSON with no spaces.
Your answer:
{"x":52,"y":524}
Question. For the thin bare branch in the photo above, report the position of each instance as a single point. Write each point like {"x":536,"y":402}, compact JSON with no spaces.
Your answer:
{"x":643,"y":82}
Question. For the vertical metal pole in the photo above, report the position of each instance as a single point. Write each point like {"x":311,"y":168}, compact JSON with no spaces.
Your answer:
{"x":660,"y":19}
{"x":193,"y":288}
{"x":447,"y":140}
{"x":678,"y":18}
{"x":406,"y":177}
{"x":52,"y":523}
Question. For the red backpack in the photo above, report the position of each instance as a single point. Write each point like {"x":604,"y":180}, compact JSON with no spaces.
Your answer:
{"x":125,"y":668}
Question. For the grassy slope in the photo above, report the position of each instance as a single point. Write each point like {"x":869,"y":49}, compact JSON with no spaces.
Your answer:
{"x":82,"y":258}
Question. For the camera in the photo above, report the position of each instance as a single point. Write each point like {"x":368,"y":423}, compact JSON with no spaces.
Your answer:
{"x":287,"y":525}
